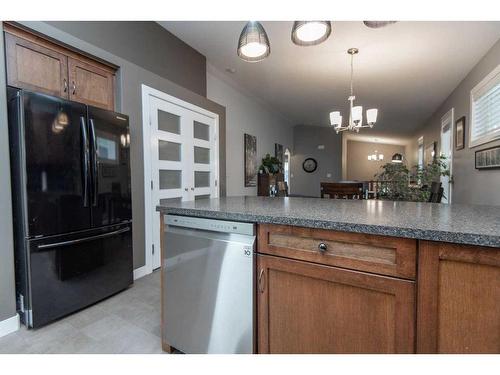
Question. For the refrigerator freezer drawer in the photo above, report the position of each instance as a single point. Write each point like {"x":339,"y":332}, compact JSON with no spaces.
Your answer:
{"x":71,"y":272}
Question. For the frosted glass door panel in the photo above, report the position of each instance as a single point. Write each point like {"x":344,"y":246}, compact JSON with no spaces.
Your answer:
{"x":169,"y":151}
{"x":170,"y":179}
{"x":201,"y":155}
{"x":201,"y":131}
{"x":168,"y":122}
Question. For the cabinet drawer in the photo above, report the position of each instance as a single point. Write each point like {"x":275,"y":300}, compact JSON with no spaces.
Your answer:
{"x":371,"y":253}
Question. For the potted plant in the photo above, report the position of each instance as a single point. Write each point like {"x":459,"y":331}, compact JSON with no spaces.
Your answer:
{"x":395,"y":180}
{"x":270,"y":165}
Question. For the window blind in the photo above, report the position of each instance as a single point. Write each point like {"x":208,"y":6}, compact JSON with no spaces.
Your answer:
{"x":485,"y":100}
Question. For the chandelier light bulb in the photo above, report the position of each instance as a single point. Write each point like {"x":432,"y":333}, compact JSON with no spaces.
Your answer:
{"x":357,"y":115}
{"x":335,"y":118}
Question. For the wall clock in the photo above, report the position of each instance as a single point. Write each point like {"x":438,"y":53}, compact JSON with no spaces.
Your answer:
{"x":309,"y":165}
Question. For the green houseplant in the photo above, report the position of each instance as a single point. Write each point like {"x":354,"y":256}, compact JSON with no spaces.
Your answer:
{"x":399,"y":183}
{"x":270,"y":164}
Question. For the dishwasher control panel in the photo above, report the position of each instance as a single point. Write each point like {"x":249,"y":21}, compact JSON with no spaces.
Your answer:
{"x":211,"y":224}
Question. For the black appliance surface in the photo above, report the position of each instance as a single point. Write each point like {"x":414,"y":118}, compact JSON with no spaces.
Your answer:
{"x":110,"y":164}
{"x":71,"y":204}
{"x":51,"y":138}
{"x":70,"y":272}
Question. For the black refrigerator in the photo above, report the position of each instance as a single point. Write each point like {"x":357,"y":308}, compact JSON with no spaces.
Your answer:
{"x":71,"y":194}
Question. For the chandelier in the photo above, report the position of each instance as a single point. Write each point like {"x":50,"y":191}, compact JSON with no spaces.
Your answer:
{"x":355,"y":112}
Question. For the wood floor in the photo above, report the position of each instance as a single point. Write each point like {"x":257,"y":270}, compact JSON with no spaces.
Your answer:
{"x":128,"y":322}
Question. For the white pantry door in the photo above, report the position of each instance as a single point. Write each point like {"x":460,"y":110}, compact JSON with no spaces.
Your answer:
{"x":184,"y":159}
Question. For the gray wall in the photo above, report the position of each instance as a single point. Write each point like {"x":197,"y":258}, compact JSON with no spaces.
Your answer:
{"x":7,"y":296}
{"x":246,"y":115}
{"x":359,"y":167}
{"x":129,"y":79}
{"x":470,"y":185}
{"x":306,"y":139}
{"x":146,"y":44}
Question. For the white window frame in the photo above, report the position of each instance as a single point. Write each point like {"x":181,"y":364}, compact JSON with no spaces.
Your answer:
{"x":147,"y":93}
{"x":495,"y":77}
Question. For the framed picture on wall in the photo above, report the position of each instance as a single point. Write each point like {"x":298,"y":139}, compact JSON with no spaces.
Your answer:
{"x":278,"y":152}
{"x":250,"y":150}
{"x":488,"y":158}
{"x":460,"y":133}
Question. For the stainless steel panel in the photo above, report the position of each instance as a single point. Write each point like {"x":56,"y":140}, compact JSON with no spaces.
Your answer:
{"x":209,"y":299}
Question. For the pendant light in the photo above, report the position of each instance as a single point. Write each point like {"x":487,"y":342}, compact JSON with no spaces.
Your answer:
{"x":253,"y":44}
{"x":397,"y":158}
{"x":310,"y":33}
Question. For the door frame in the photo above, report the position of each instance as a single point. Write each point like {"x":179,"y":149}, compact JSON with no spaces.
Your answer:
{"x":448,"y":116}
{"x":146,"y":93}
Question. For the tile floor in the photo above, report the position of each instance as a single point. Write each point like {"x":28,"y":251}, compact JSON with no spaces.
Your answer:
{"x":128,"y":322}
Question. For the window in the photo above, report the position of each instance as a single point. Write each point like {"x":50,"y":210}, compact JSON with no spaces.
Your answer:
{"x":485,"y":110}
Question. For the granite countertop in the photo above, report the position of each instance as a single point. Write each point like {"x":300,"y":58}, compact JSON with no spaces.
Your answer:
{"x":456,"y":223}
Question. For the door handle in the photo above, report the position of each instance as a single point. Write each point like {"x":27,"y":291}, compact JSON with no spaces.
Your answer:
{"x":74,"y":87}
{"x":85,"y":166}
{"x":262,"y":281}
{"x":95,"y":164}
{"x":65,"y":83}
{"x":80,"y":240}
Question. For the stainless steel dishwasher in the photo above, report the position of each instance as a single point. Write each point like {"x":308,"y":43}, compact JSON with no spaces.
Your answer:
{"x":209,"y":272}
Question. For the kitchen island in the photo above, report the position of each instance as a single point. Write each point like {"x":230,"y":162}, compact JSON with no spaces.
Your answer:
{"x":369,"y":276}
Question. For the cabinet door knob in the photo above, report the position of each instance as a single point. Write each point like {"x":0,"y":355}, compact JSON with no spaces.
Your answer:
{"x":186,"y":189}
{"x":322,"y":247}
{"x":192,"y":188}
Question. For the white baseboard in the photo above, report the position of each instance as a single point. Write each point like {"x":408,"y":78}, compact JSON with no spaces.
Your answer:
{"x":140,"y":272}
{"x":9,"y":325}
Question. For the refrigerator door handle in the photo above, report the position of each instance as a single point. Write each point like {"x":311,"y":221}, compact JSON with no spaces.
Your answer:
{"x":80,"y":240}
{"x":95,"y":164}
{"x":85,"y":168}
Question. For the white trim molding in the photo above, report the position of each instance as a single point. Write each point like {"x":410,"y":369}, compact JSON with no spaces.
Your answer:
{"x":141,"y":272}
{"x":9,"y":325}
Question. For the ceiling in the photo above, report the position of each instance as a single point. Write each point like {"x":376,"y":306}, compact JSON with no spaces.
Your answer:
{"x":406,"y":70}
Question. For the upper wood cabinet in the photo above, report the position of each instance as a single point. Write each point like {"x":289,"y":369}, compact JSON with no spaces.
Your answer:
{"x":458,"y":299}
{"x":36,"y":68}
{"x":37,"y":64}
{"x":90,"y":84}
{"x":310,"y":308}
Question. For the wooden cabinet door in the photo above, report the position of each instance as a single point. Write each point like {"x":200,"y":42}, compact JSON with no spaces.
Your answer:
{"x":90,"y":84}
{"x":311,"y":308}
{"x":458,"y":299}
{"x":36,"y":68}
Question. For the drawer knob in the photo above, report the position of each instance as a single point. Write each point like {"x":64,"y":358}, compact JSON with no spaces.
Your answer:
{"x":322,"y":247}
